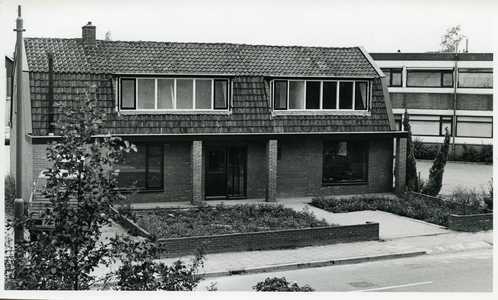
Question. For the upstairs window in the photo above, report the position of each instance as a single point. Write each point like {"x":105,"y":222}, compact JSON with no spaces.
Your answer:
{"x":475,"y":78}
{"x":429,"y":78}
{"x":394,"y":77}
{"x":173,"y":94}
{"x":320,"y":95}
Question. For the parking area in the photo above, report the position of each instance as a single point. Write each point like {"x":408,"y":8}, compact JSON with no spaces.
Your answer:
{"x":460,"y":174}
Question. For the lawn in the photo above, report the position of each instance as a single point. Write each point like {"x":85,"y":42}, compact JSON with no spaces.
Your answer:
{"x":222,"y":219}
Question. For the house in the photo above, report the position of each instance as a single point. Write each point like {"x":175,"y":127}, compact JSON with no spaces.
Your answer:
{"x":439,"y":90}
{"x":223,"y":121}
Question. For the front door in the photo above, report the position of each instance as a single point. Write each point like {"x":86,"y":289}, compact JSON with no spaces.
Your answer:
{"x":226,"y":170}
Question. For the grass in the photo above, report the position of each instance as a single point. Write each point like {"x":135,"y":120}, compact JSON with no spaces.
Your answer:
{"x":222,"y":219}
{"x":432,"y":210}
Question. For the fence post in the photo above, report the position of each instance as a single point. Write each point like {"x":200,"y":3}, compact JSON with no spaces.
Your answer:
{"x":19,"y":217}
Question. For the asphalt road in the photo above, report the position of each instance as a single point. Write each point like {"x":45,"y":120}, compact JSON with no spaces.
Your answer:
{"x":470,"y":271}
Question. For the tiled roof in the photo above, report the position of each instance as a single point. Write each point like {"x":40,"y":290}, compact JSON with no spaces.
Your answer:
{"x":118,"y":57}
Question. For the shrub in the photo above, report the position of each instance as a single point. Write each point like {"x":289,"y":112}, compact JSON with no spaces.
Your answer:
{"x":276,"y":284}
{"x":488,"y":197}
{"x":10,"y":194}
{"x":486,"y":154}
{"x":424,"y":151}
{"x":435,"y":182}
{"x":411,"y":164}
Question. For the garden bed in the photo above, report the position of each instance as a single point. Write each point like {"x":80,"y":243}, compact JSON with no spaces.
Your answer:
{"x":246,"y":227}
{"x":412,"y":205}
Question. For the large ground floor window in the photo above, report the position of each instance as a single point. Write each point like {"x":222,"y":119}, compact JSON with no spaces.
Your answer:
{"x":345,"y":162}
{"x":143,"y":169}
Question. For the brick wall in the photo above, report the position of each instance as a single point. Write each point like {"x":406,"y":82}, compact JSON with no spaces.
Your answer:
{"x":441,"y":101}
{"x":471,"y":223}
{"x":474,"y":102}
{"x":300,"y":169}
{"x":422,"y":101}
{"x":270,"y":240}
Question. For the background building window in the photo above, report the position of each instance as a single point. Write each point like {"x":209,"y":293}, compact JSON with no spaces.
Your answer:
{"x":475,"y":78}
{"x":429,"y":78}
{"x":474,"y":127}
{"x":345,"y":162}
{"x":393,"y":76}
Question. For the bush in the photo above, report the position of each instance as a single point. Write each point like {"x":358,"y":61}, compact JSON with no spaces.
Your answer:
{"x":424,"y":151}
{"x":10,"y":194}
{"x":276,"y":284}
{"x":472,"y":153}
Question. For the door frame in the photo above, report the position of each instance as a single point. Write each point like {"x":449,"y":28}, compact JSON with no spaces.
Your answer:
{"x":227,"y":173}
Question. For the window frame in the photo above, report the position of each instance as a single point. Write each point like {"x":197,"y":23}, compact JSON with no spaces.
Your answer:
{"x":213,"y":103}
{"x":146,"y":161}
{"x":391,"y":72}
{"x":440,"y":120}
{"x":365,"y":146}
{"x":441,"y":78}
{"x":474,"y":71}
{"x":459,"y":121}
{"x":305,"y":103}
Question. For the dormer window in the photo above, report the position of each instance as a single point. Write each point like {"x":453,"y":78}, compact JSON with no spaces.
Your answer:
{"x":170,"y":94}
{"x":321,"y":95}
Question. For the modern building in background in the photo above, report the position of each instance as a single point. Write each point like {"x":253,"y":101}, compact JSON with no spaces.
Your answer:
{"x":440,"y":90}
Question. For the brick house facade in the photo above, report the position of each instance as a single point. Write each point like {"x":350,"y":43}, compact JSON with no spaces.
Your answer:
{"x":222,"y":121}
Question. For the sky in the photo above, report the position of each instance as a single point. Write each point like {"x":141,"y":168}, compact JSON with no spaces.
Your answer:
{"x":377,"y":25}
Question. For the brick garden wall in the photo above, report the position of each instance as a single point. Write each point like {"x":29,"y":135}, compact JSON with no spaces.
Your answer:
{"x":470,"y":223}
{"x":270,"y":240}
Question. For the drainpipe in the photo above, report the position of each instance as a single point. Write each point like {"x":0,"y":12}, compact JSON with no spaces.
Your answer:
{"x":454,"y":120}
{"x":50,"y":93}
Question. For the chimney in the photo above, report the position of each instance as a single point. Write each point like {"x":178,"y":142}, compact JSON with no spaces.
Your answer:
{"x":88,"y":34}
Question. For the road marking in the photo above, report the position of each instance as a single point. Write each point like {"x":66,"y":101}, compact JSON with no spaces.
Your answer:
{"x":394,"y":286}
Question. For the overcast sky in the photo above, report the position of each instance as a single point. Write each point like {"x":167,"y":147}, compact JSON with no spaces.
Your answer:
{"x":378,"y":25}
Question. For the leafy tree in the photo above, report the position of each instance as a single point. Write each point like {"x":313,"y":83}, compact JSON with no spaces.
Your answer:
{"x":80,"y":189}
{"x":412,"y":180}
{"x":435,"y":182}
{"x":451,"y":40}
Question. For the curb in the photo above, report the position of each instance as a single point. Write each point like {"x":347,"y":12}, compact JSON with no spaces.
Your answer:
{"x":315,"y":264}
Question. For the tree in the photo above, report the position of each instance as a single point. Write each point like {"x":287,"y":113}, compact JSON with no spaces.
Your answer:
{"x":412,"y":180}
{"x":451,"y":40}
{"x":108,"y":36}
{"x":81,"y":189}
{"x":435,"y":181}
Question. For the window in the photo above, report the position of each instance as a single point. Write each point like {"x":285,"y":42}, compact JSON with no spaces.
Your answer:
{"x":320,"y":95}
{"x":143,"y":168}
{"x":393,"y":76}
{"x":429,"y":78}
{"x":475,"y":78}
{"x":345,"y":162}
{"x":474,"y":127}
{"x":430,"y":125}
{"x":173,"y":94}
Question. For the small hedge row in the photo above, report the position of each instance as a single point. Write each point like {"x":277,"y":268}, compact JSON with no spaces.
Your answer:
{"x":433,"y":210}
{"x":222,"y":219}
